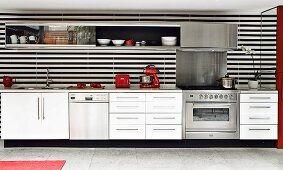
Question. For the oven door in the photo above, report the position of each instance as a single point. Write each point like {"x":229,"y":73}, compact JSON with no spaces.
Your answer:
{"x":211,"y":117}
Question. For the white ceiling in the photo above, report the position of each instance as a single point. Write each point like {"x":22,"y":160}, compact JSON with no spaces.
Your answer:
{"x":247,"y":6}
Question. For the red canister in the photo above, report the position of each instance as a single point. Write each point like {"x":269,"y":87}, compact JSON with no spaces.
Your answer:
{"x":8,"y":81}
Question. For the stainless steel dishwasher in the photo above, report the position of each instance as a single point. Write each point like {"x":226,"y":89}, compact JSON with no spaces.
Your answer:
{"x":88,"y":116}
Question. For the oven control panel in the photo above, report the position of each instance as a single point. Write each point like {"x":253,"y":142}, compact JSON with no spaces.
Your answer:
{"x":212,"y":97}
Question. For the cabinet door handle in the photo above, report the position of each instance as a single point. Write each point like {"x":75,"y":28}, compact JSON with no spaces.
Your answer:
{"x":260,"y":118}
{"x":127,"y":106}
{"x":38,"y":116}
{"x":127,"y":97}
{"x":260,"y":97}
{"x":164,"y":97}
{"x":259,"y":129}
{"x":164,"y":129}
{"x":43,"y":113}
{"x":260,"y":107}
{"x":127,"y":118}
{"x":168,"y":107}
{"x":127,"y":129}
{"x":164,"y":118}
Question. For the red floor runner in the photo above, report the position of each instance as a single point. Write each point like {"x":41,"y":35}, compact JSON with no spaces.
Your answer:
{"x":32,"y":165}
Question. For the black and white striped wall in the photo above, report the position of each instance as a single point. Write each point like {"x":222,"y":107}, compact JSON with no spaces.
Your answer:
{"x":68,"y":67}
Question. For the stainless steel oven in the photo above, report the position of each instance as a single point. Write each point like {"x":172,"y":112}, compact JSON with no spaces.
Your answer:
{"x":211,"y":115}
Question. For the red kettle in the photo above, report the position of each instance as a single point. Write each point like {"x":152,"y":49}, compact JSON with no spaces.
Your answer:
{"x":8,"y":81}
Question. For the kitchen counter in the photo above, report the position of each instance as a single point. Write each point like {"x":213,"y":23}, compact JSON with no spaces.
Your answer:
{"x":262,"y":91}
{"x":110,"y":89}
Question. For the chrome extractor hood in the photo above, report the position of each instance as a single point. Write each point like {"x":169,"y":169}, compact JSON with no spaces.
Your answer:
{"x":209,"y":35}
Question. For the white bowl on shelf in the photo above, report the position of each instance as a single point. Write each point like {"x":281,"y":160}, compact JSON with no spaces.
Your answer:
{"x":104,"y":42}
{"x":118,"y":42}
{"x":169,"y":41}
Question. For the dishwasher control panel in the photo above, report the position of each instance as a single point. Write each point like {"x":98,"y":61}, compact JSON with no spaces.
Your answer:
{"x":88,"y":97}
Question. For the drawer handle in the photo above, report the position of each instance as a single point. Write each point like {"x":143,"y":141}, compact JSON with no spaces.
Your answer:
{"x":260,"y":107}
{"x":164,"y":129}
{"x":259,"y":129}
{"x":127,"y":118}
{"x":127,"y":106}
{"x":260,"y":118}
{"x":260,"y":97}
{"x":168,"y":107}
{"x":164,"y":118}
{"x":164,"y":97}
{"x":127,"y":129}
{"x":127,"y":97}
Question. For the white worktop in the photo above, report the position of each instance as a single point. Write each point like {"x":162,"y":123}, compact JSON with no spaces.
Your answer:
{"x":107,"y":89}
{"x":135,"y":89}
{"x":261,"y":91}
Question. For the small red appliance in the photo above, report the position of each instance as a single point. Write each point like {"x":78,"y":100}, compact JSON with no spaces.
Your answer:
{"x":8,"y":81}
{"x":122,"y":81}
{"x":151,"y":70}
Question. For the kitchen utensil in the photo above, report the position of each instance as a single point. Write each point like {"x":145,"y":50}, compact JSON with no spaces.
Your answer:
{"x":151,"y":70}
{"x":104,"y":42}
{"x":122,"y":81}
{"x":8,"y":81}
{"x":143,"y":43}
{"x":129,"y":42}
{"x":14,"y":39}
{"x":95,"y":85}
{"x":23,"y":39}
{"x":168,"y":41}
{"x":81,"y":85}
{"x":32,"y":39}
{"x":146,"y":79}
{"x":227,"y":82}
{"x":118,"y":42}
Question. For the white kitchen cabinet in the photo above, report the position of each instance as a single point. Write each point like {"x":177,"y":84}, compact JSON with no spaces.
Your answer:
{"x":258,"y":116}
{"x":127,"y":119}
{"x":127,"y":97}
{"x":55,"y":122}
{"x":163,"y":132}
{"x":127,"y":107}
{"x":259,"y":98}
{"x":145,"y":116}
{"x":164,"y":116}
{"x":20,"y":116}
{"x":257,"y":132}
{"x":34,"y":115}
{"x":127,"y":132}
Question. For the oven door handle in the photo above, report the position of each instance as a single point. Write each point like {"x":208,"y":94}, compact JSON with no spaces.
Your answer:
{"x":212,"y":105}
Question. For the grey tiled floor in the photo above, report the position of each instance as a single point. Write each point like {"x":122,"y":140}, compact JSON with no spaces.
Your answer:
{"x":155,"y":159}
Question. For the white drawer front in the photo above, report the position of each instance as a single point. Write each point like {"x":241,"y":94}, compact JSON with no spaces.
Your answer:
{"x":258,"y":118}
{"x":126,"y":97}
{"x":259,"y":98}
{"x":127,"y":107}
{"x":165,"y":97}
{"x":127,"y":119}
{"x":127,"y":132}
{"x":163,"y":107}
{"x":164,"y":119}
{"x":258,"y":131}
{"x":258,"y":108}
{"x":163,"y":131}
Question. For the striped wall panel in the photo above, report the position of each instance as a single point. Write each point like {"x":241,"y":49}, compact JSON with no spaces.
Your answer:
{"x":69,"y":67}
{"x":2,"y":35}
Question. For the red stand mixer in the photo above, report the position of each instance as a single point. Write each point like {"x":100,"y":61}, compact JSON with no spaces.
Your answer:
{"x":150,"y":80}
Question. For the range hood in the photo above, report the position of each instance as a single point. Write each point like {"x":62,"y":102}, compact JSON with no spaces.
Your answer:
{"x":209,"y":35}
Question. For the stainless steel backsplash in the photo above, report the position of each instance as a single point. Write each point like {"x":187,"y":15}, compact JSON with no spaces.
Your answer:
{"x":200,"y":68}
